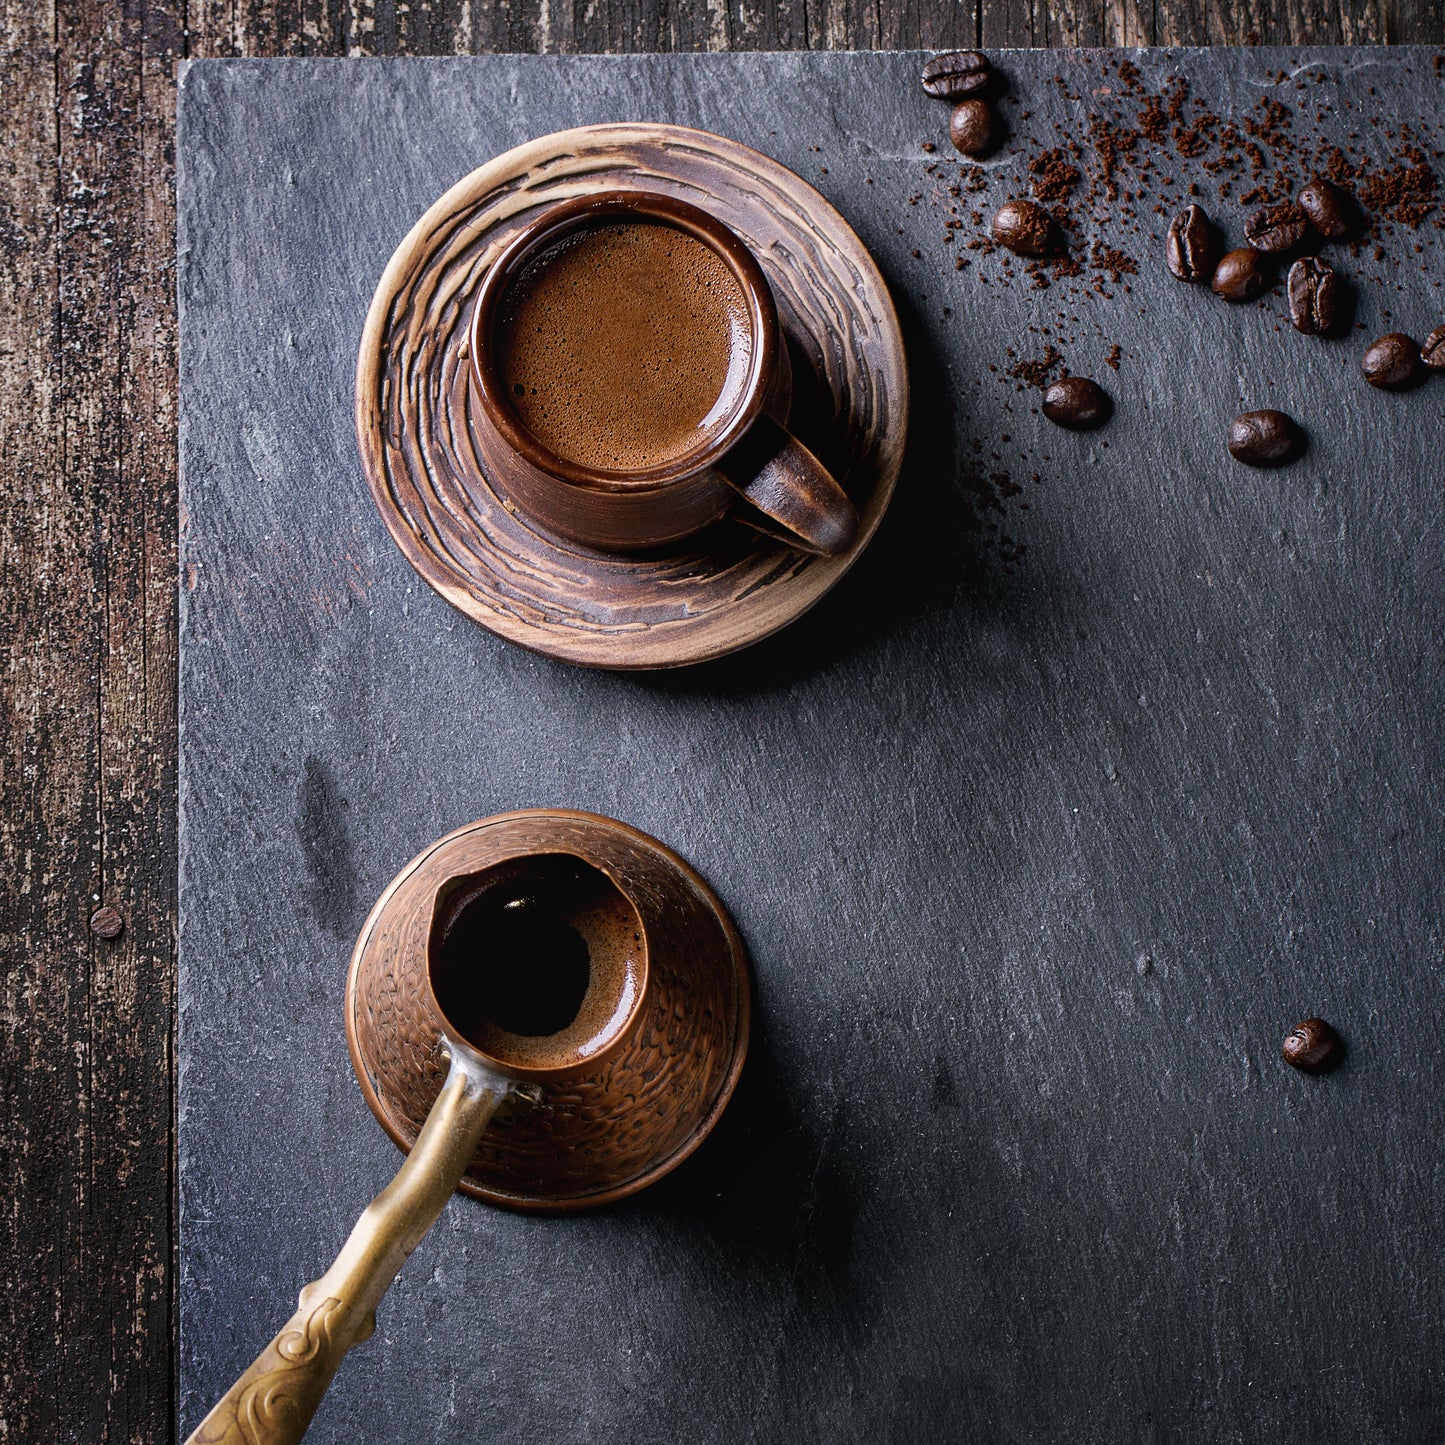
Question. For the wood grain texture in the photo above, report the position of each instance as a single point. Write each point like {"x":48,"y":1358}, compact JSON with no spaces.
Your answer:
{"x":87,"y":617}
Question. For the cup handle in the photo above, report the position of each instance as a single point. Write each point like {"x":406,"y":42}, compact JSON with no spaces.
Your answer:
{"x":792,"y":489}
{"x":273,"y":1402}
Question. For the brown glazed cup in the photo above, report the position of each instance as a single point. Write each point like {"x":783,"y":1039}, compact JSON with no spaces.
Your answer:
{"x":790,"y":494}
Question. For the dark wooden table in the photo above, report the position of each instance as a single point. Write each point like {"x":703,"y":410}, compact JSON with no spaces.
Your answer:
{"x":87,"y":435}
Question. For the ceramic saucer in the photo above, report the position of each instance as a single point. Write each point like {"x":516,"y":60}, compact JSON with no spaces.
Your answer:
{"x":719,"y":591}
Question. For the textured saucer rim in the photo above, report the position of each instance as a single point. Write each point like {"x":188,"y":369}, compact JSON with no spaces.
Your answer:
{"x":736,"y":956}
{"x":689,"y":640}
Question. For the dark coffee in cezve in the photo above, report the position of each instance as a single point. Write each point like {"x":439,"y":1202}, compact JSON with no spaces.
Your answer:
{"x":542,"y":967}
{"x":624,"y":347}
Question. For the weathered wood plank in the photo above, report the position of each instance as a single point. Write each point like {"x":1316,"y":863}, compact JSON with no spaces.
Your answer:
{"x":49,"y":854}
{"x":1010,"y":22}
{"x":87,"y":435}
{"x":769,"y":26}
{"x":87,"y":629}
{"x":930,"y":25}
{"x":1272,"y":22}
{"x":843,"y":25}
{"x":116,"y":340}
{"x":1414,"y":22}
{"x":1078,"y":22}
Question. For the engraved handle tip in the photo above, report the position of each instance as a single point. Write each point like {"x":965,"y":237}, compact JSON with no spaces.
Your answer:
{"x":273,"y":1402}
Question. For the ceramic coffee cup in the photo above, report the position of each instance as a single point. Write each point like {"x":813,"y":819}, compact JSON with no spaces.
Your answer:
{"x":632,"y":378}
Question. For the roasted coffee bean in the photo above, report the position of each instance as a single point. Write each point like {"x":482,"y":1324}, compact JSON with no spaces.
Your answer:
{"x":1024,"y":227}
{"x":1313,"y":1046}
{"x":1264,"y":439}
{"x":1240,"y":276}
{"x":957,"y":74}
{"x":1192,"y":246}
{"x":1077,"y":403}
{"x":1328,"y":207}
{"x":970,"y":127}
{"x":1311,"y":289}
{"x":106,"y":922}
{"x":1277,"y":228}
{"x":1433,"y":351}
{"x":1393,"y":363}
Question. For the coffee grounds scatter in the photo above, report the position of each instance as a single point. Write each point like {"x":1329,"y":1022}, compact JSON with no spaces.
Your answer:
{"x":1133,"y":142}
{"x":1116,"y":263}
{"x":1039,"y":371}
{"x":1054,"y":177}
{"x":1407,"y":193}
{"x":1129,"y":148}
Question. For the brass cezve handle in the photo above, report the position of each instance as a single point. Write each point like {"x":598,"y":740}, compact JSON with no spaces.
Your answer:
{"x":273,"y":1402}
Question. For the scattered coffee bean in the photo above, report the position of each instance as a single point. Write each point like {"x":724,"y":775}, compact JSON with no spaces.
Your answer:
{"x":1277,"y":228}
{"x":1433,"y":351}
{"x":1313,"y":1046}
{"x":1328,"y":207}
{"x":1264,"y":439}
{"x":1077,"y":403}
{"x":1192,"y":246}
{"x":106,"y":922}
{"x":970,"y":127}
{"x":957,"y":74}
{"x":1240,"y":275}
{"x":1024,"y":227}
{"x":1393,"y":363}
{"x":1311,"y":289}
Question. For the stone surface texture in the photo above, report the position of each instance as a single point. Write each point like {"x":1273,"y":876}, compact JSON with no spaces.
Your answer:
{"x":1039,"y":844}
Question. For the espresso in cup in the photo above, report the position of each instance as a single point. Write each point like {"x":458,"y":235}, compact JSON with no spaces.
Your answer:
{"x":540,"y":966}
{"x":632,"y":375}
{"x":625,"y":347}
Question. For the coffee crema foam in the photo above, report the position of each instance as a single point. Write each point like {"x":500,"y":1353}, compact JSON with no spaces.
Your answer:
{"x":624,"y":346}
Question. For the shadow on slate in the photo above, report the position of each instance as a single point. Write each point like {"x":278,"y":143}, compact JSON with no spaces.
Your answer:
{"x":762,"y":1181}
{"x":330,"y":854}
{"x":923,"y":556}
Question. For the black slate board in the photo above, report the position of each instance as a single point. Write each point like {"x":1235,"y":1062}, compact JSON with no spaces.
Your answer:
{"x":1037,"y":855}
